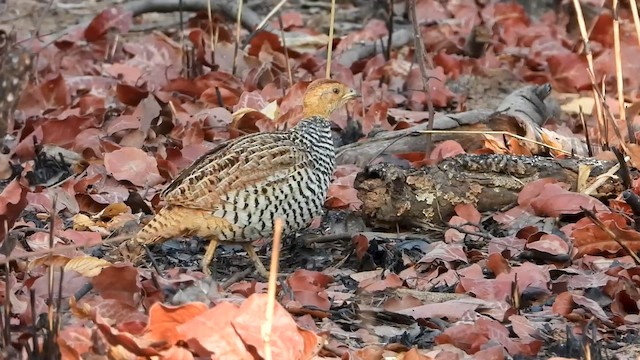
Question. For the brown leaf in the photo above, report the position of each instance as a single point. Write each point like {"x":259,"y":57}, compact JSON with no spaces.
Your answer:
{"x":115,"y":17}
{"x":133,"y":165}
{"x":129,"y":94}
{"x":119,"y":282}
{"x":13,"y":200}
{"x":211,"y":332}
{"x":165,"y":321}
{"x":286,"y":340}
{"x":555,"y":201}
{"x":87,"y":266}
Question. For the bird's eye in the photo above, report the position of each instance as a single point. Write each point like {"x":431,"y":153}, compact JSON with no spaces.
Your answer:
{"x":336,"y":90}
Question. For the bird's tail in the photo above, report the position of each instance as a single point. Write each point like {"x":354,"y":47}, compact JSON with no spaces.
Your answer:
{"x":168,"y":223}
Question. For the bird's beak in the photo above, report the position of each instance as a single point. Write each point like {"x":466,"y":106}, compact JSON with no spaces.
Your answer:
{"x":351,"y":94}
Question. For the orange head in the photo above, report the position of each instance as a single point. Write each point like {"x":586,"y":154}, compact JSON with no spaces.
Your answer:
{"x":324,"y":96}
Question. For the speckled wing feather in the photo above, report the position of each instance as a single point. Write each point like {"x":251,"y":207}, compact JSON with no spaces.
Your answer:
{"x":254,"y":163}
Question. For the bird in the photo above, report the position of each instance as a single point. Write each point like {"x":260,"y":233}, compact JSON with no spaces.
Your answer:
{"x":233,"y":193}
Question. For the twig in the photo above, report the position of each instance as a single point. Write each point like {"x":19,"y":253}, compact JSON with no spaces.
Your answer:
{"x":611,"y":235}
{"x":398,"y":39}
{"x":494,"y":132}
{"x":271,"y":292}
{"x":619,"y":77}
{"x":286,"y":51}
{"x":63,"y":248}
{"x":237,"y":44}
{"x":319,"y":239}
{"x":602,"y":128}
{"x":236,"y":277}
{"x":586,"y":131}
{"x":273,"y":11}
{"x":387,"y":54}
{"x":332,"y":21}
{"x":249,"y":18}
{"x":420,"y":53}
{"x":624,"y":173}
{"x":636,"y":19}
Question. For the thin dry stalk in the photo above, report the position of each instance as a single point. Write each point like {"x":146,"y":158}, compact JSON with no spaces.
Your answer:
{"x":636,"y":18}
{"x":586,"y":131}
{"x":602,"y":125}
{"x":495,"y":132}
{"x":215,"y":43}
{"x":213,"y":60}
{"x":611,"y":235}
{"x":185,"y":62}
{"x":62,"y":249}
{"x":332,"y":21}
{"x":420,"y":54}
{"x":608,"y":113}
{"x":270,"y":14}
{"x":387,"y":53}
{"x":619,"y":77}
{"x":271,"y":290}
{"x":238,"y":28}
{"x":286,"y":51}
{"x":50,"y":270}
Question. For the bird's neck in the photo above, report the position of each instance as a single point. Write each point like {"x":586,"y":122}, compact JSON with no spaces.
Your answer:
{"x":312,"y":130}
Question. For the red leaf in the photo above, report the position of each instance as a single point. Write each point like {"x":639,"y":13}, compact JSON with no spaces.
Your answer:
{"x":286,"y":340}
{"x":13,"y":200}
{"x":164,"y":320}
{"x":133,"y":165}
{"x":211,"y":332}
{"x":116,"y":17}
{"x":119,"y":282}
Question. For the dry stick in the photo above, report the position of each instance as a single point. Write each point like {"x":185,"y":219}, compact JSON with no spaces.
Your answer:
{"x":50,"y":288}
{"x":602,"y":127}
{"x":235,"y":48}
{"x":493,"y":132}
{"x":619,"y":78}
{"x":332,"y":20}
{"x":610,"y":233}
{"x":271,"y":292}
{"x":286,"y":51}
{"x":185,"y":61}
{"x":586,"y":130}
{"x":62,"y":248}
{"x":213,"y":60}
{"x":420,"y":53}
{"x":636,"y":19}
{"x":390,"y":29}
{"x":270,"y":14}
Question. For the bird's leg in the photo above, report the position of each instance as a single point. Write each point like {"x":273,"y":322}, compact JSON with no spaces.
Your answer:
{"x":256,"y":260}
{"x":208,"y":256}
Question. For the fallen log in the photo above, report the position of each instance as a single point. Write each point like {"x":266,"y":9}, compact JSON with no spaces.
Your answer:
{"x":418,"y":198}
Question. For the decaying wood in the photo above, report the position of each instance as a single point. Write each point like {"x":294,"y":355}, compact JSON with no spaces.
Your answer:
{"x":415,"y":198}
{"x":521,"y":112}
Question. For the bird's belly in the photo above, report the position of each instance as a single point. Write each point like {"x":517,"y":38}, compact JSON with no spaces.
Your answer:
{"x":252,"y":211}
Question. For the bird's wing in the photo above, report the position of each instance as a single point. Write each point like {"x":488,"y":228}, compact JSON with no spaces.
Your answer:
{"x":249,"y":163}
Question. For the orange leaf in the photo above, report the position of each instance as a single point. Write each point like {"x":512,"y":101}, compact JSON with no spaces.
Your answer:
{"x":164,"y":320}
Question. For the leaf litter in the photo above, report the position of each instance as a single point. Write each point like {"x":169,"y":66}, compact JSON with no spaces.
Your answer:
{"x":112,"y":114}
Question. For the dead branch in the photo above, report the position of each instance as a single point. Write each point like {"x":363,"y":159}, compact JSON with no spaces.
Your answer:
{"x":249,"y":20}
{"x":521,"y":112}
{"x":418,"y":198}
{"x":399,"y":39}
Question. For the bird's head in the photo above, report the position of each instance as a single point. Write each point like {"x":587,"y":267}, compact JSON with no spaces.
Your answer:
{"x":324,"y":96}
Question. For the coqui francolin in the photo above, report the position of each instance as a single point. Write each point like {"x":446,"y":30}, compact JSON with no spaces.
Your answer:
{"x":233,"y":193}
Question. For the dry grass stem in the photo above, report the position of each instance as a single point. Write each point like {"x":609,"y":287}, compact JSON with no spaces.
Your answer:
{"x":332,"y":21}
{"x":271,"y":290}
{"x":602,"y":125}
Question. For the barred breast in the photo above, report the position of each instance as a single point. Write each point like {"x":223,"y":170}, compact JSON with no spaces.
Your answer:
{"x":260,"y":177}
